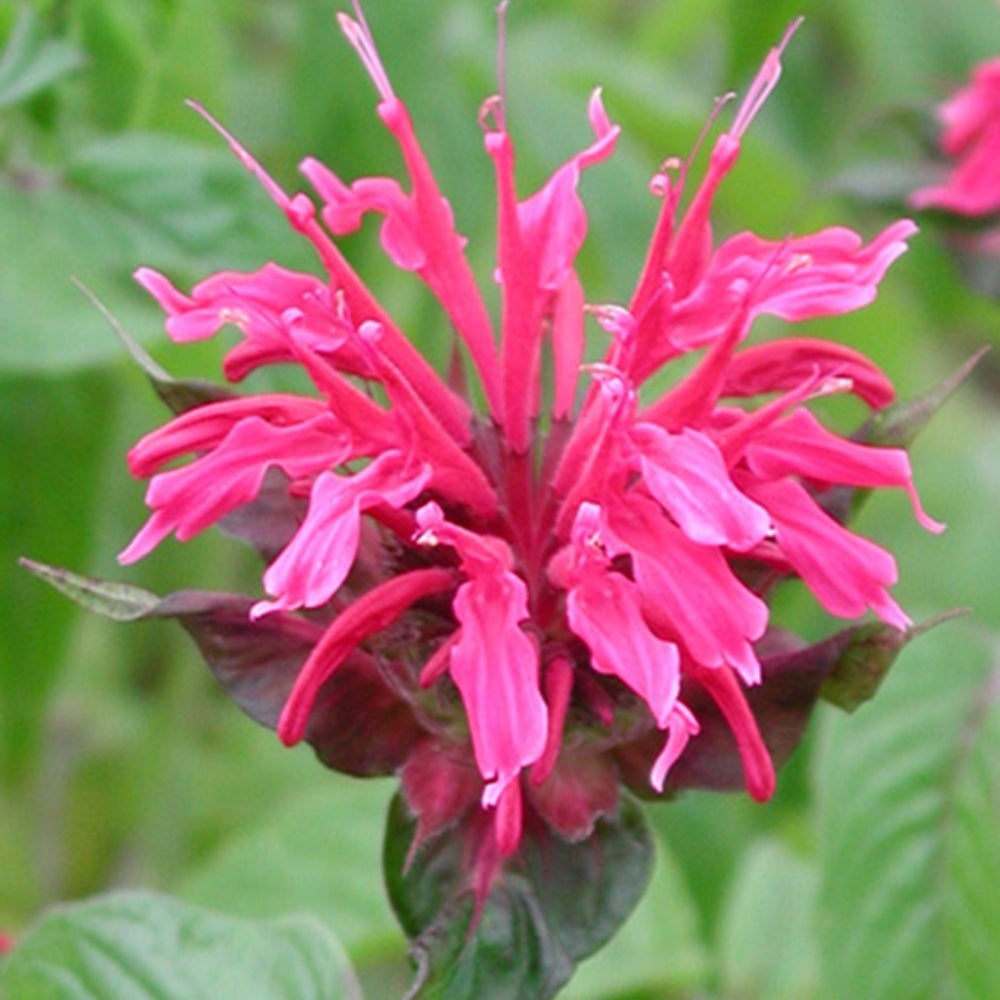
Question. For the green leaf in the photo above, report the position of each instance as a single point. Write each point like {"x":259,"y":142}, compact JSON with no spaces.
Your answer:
{"x":973,"y":853}
{"x":178,"y":205}
{"x":55,"y":437}
{"x":177,"y":394}
{"x":866,"y":658}
{"x":142,"y":946}
{"x":552,"y":904}
{"x":319,"y":853}
{"x":910,"y":800}
{"x":120,"y":601}
{"x":146,"y":58}
{"x":30,"y":62}
{"x":768,"y":939}
{"x":898,"y":425}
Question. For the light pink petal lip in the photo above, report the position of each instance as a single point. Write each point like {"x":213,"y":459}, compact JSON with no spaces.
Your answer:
{"x":686,"y":473}
{"x":681,"y":725}
{"x":603,"y":609}
{"x":800,"y":445}
{"x":689,"y":590}
{"x":493,"y":663}
{"x":189,"y":499}
{"x":495,"y":667}
{"x":848,"y":573}
{"x":314,"y":564}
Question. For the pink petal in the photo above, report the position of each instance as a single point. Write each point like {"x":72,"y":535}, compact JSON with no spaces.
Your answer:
{"x":681,"y":725}
{"x":568,"y":342}
{"x":314,"y":564}
{"x":205,"y":426}
{"x":558,"y":684}
{"x":452,"y":412}
{"x":686,"y":473}
{"x":453,"y":472}
{"x":495,"y":667}
{"x":419,"y":231}
{"x":823,"y":274}
{"x":690,"y":589}
{"x":603,"y":610}
{"x":171,"y":301}
{"x":972,"y":108}
{"x":847,"y":573}
{"x":787,"y":363}
{"x":538,"y":240}
{"x":972,"y":186}
{"x":507,"y":819}
{"x":554,"y":220}
{"x":722,"y":685}
{"x":971,"y":121}
{"x":800,"y":445}
{"x":189,"y":499}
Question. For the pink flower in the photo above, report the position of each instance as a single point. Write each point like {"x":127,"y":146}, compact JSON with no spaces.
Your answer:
{"x":971,"y":139}
{"x":568,"y":561}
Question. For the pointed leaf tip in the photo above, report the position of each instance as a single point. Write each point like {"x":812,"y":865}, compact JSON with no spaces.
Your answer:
{"x":898,"y":425}
{"x":178,"y":394}
{"x":121,"y":601}
{"x":868,"y":657}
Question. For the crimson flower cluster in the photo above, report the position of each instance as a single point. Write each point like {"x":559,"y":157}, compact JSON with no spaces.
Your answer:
{"x":564,"y":565}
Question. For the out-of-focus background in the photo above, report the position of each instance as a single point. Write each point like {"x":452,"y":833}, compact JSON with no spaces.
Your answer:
{"x":122,"y":765}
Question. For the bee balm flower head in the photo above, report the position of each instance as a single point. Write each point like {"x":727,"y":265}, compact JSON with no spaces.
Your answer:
{"x":523,"y":601}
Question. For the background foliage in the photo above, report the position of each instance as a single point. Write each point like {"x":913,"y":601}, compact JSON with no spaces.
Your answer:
{"x":873,"y":872}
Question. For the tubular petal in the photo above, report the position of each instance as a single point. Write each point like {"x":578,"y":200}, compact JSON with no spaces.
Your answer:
{"x":369,"y":614}
{"x":317,"y":560}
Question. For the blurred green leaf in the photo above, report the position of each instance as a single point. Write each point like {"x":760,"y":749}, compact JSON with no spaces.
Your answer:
{"x":148,"y":57}
{"x":320,"y":854}
{"x":30,"y":61}
{"x":140,"y":946}
{"x":908,"y":820}
{"x":53,"y":442}
{"x":118,"y":203}
{"x":971,"y":908}
{"x":768,"y":939}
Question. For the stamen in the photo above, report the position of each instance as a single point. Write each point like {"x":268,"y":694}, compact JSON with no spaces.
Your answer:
{"x":765,"y":81}
{"x":490,"y":116}
{"x":660,"y":184}
{"x":360,"y":36}
{"x":614,"y":319}
{"x":270,"y":185}
{"x":685,"y":164}
{"x":799,"y":262}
